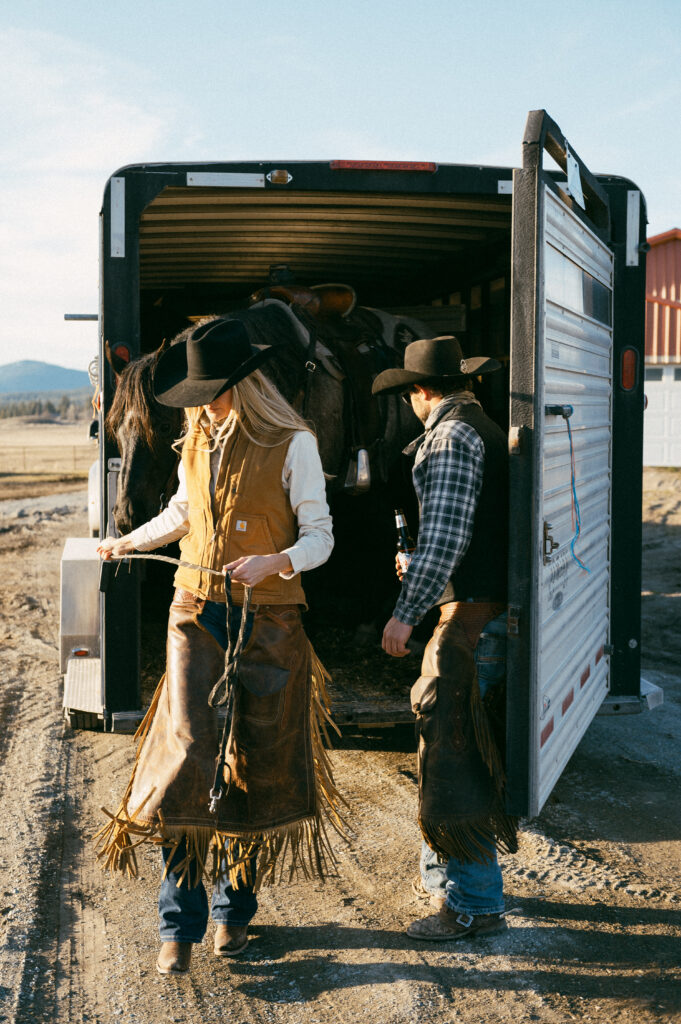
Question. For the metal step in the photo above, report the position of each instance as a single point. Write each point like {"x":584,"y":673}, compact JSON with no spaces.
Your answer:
{"x":650,"y":696}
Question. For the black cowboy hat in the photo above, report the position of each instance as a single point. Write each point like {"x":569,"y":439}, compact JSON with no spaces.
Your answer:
{"x":214,"y":358}
{"x":432,"y":359}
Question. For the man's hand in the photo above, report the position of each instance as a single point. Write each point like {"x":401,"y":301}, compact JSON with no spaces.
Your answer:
{"x":253,"y":569}
{"x":395,"y":636}
{"x":114,"y":547}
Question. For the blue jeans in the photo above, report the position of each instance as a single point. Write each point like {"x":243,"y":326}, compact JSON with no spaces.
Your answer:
{"x":472,"y":888}
{"x":183,"y":910}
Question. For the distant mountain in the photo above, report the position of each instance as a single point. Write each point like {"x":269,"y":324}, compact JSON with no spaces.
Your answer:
{"x":29,"y":375}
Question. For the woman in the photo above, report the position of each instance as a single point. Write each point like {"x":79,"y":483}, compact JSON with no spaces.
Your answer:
{"x":250,"y":501}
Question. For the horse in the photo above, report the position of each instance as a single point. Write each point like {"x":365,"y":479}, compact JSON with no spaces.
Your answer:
{"x":144,"y":431}
{"x":324,"y":367}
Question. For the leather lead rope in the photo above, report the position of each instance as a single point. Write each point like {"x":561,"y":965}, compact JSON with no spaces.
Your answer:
{"x":167,"y":558}
{"x":223,"y":692}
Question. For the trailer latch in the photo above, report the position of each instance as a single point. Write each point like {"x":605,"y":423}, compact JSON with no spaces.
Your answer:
{"x":550,"y":544}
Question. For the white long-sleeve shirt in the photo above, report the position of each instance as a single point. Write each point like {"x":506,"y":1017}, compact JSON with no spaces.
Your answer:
{"x":302,"y":478}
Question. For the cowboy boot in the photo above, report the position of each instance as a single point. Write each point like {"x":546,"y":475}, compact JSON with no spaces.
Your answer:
{"x":174,"y":958}
{"x":230,"y":939}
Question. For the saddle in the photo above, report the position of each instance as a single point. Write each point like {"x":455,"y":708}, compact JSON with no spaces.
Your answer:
{"x":348,"y":342}
{"x":320,"y":300}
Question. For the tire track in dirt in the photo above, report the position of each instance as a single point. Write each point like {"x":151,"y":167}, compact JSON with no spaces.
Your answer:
{"x":32,"y":780}
{"x":337,"y":952}
{"x":32,"y":851}
{"x":596,"y":936}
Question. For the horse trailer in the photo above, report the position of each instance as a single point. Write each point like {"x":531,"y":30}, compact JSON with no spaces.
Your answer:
{"x":541,"y":267}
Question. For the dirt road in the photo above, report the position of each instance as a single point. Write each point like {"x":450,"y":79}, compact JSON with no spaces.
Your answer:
{"x":595,"y":891}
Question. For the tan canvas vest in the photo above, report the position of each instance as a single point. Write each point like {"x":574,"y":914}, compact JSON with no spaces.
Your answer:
{"x":250,"y":515}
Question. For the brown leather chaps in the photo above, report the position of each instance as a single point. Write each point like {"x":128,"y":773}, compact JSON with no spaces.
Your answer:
{"x":277,"y":774}
{"x":460,"y":760}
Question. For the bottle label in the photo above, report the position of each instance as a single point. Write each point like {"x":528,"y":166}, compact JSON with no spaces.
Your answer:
{"x":404,"y":558}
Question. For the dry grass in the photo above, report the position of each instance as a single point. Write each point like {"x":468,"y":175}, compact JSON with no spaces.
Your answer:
{"x":39,"y":458}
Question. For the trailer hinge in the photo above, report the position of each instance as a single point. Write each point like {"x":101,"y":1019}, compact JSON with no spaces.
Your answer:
{"x":513,"y":620}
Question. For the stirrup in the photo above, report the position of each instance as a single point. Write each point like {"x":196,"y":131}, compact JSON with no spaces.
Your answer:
{"x":358,"y":477}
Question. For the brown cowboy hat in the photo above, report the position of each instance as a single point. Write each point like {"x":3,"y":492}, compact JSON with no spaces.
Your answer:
{"x":214,"y":358}
{"x":430,"y":359}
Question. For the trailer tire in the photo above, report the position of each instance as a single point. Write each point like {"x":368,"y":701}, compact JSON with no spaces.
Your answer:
{"x":83,"y":720}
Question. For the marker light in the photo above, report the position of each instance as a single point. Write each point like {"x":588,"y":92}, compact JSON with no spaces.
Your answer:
{"x":382,"y":165}
{"x":123,"y":352}
{"x":279,"y":177}
{"x":629,"y":369}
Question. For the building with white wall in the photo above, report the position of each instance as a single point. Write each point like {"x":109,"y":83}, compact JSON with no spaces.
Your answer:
{"x":662,"y":420}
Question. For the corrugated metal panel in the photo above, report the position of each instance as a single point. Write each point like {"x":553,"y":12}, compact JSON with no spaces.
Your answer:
{"x":663,"y":299}
{"x":215,"y":235}
{"x":573,"y":613}
{"x":83,"y":686}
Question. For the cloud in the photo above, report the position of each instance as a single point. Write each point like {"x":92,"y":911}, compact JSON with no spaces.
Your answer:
{"x":68,"y":109}
{"x":71,"y":116}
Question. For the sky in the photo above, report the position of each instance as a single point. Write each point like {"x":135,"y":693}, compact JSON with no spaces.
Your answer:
{"x":87,"y":88}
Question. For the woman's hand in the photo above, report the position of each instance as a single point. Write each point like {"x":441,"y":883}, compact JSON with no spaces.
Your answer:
{"x":114,"y":547}
{"x":253,"y":569}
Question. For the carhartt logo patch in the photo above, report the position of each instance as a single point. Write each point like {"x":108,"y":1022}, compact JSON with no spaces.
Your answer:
{"x":241,"y":525}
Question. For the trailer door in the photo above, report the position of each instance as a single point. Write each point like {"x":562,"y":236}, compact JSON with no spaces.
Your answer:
{"x":560,"y":447}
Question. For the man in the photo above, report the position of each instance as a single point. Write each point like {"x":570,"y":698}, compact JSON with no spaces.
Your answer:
{"x":460,"y":477}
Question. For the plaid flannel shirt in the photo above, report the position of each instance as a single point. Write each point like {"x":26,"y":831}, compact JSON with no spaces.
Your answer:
{"x":447,"y":477}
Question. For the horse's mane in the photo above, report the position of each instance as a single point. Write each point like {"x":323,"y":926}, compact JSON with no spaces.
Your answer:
{"x":134,"y":399}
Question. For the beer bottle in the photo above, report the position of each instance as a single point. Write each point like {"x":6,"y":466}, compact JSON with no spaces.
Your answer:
{"x":405,"y":544}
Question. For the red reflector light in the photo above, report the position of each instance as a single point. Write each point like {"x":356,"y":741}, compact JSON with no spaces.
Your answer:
{"x":545,"y":733}
{"x":80,"y":652}
{"x":123,"y":352}
{"x":382,"y":165}
{"x":629,"y":369}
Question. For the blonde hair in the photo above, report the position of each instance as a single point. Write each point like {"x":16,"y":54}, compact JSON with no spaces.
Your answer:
{"x":260,"y":410}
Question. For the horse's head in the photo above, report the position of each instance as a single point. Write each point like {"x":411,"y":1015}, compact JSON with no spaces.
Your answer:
{"x":144,"y":431}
